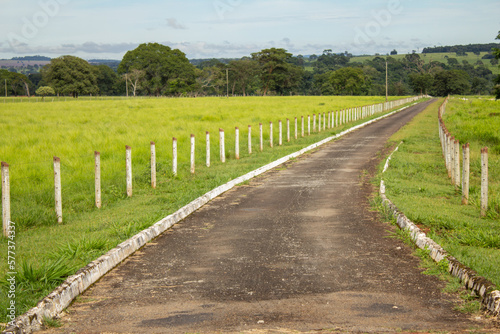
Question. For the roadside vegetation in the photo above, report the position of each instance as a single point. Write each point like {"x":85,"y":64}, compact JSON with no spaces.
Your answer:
{"x":32,"y":134}
{"x":418,"y":184}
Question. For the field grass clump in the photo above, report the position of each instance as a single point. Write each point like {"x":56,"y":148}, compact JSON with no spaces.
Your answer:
{"x":418,"y":184}
{"x":33,"y":133}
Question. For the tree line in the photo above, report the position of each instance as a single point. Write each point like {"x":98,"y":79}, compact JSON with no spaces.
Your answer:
{"x":153,"y":69}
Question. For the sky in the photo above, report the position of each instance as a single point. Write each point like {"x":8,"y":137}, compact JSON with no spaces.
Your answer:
{"x":107,"y":29}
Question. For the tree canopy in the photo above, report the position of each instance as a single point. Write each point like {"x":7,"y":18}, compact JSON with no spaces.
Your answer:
{"x":166,"y":71}
{"x":70,"y":75}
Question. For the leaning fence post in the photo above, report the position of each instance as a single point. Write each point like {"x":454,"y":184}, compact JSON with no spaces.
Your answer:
{"x":261,"y":136}
{"x":466,"y":174}
{"x":237,"y":143}
{"x":57,"y":188}
{"x":5,"y":199}
{"x":97,"y":160}
{"x":208,"y":149}
{"x":192,"y":154}
{"x":484,"y":181}
{"x":249,"y":139}
{"x":222,"y":146}
{"x":128,"y":169}
{"x":153,"y":164}
{"x":174,"y":156}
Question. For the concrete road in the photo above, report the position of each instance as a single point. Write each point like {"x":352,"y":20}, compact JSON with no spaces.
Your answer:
{"x":296,"y":249}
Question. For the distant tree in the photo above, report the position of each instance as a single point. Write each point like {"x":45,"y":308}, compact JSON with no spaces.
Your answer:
{"x":134,"y":79}
{"x":496,"y":89}
{"x":348,"y":81}
{"x":421,"y":83}
{"x":244,"y":74}
{"x":17,"y":83}
{"x":394,"y":52}
{"x":166,"y":71}
{"x":276,"y":73}
{"x":452,"y":62}
{"x":70,"y":75}
{"x":107,"y":80}
{"x":450,"y":82}
{"x":45,"y":91}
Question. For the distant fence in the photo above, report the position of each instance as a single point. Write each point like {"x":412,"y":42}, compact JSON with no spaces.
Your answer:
{"x":322,"y":122}
{"x":451,"y":154}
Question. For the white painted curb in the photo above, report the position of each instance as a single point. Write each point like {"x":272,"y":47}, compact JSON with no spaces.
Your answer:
{"x":52,"y":305}
{"x":490,"y":297}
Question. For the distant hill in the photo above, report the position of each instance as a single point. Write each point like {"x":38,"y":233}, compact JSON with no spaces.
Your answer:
{"x":462,"y":48}
{"x":32,"y":58}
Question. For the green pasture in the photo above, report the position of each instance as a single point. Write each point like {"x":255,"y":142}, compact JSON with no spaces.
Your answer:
{"x":32,"y":134}
{"x":418,"y":184}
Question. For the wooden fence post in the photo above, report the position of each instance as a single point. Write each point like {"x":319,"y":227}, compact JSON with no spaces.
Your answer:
{"x":153,"y":164}
{"x":324,"y":122}
{"x":237,"y":143}
{"x":174,"y":156}
{"x":6,"y":199}
{"x":484,"y":181}
{"x":261,"y":135}
{"x":57,"y":188}
{"x":97,"y":160}
{"x":249,"y":139}
{"x":314,"y":122}
{"x":192,"y":154}
{"x":466,"y":174}
{"x":320,"y":125}
{"x":208,"y":149}
{"x":303,"y":127}
{"x":128,"y":168}
{"x":271,"y":134}
{"x":330,"y":119}
{"x":222,"y":146}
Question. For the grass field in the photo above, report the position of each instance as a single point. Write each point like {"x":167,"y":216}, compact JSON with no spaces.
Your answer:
{"x":418,"y":184}
{"x":33,"y":133}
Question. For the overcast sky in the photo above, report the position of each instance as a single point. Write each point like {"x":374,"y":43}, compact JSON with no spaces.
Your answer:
{"x":107,"y":29}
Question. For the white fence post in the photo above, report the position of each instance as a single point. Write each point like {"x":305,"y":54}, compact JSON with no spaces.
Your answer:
{"x":320,"y":125}
{"x":97,"y":160}
{"x":484,"y":181}
{"x":314,"y":122}
{"x":249,"y":139}
{"x":287,"y":130}
{"x":296,"y":130}
{"x":128,"y":168}
{"x":303,"y":127}
{"x":208,"y":149}
{"x":466,"y":174}
{"x":457,"y":163}
{"x":192,"y":154}
{"x":308,"y":125}
{"x":280,"y":138}
{"x":153,"y":164}
{"x":57,"y":188}
{"x":5,"y":199}
{"x":237,"y":143}
{"x":324,"y":122}
{"x":174,"y":156}
{"x":222,"y":146}
{"x":261,"y":136}
{"x":271,"y":134}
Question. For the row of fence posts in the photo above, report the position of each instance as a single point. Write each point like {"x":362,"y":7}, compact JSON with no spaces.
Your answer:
{"x":451,"y":153}
{"x":320,"y":123}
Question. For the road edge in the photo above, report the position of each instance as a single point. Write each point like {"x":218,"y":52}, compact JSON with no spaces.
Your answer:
{"x":490,"y":295}
{"x":54,"y":304}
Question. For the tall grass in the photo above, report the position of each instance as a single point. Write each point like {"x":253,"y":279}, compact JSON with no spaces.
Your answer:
{"x":31,"y":134}
{"x":417,"y":182}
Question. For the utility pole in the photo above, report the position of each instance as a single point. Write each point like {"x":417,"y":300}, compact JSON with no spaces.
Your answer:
{"x":386,"y":82}
{"x":227,"y":83}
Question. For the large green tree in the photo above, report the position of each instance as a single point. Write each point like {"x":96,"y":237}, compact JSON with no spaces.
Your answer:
{"x":108,"y":81}
{"x":349,"y":81}
{"x":452,"y":82}
{"x":166,"y":71}
{"x":276,"y":72}
{"x":496,"y":89}
{"x":17,"y":83}
{"x":70,"y":75}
